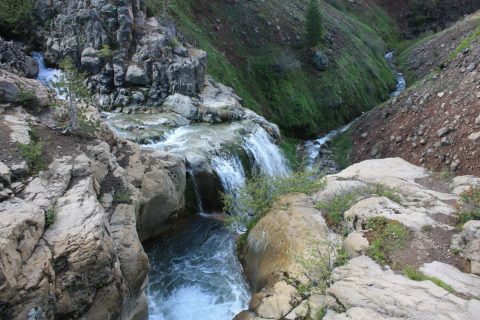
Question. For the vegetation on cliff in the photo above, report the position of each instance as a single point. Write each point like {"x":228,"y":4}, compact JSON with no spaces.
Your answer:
{"x":259,"y":50}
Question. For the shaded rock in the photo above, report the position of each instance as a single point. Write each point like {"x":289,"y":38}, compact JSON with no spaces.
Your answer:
{"x":320,"y":61}
{"x":136,"y":75}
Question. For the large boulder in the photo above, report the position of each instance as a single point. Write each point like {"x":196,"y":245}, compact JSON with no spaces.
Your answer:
{"x":162,"y":180}
{"x":14,"y":89}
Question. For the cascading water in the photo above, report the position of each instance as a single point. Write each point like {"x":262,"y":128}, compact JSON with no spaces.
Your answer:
{"x":46,"y":75}
{"x":267,"y":157}
{"x":230,"y":172}
{"x":196,"y":275}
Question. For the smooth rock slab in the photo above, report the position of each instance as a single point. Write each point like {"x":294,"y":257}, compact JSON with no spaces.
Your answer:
{"x":465,"y":283}
{"x":366,"y":291}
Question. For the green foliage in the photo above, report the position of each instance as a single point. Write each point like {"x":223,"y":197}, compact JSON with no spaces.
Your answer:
{"x":318,"y":262}
{"x":388,"y":237}
{"x":16,"y":16}
{"x":301,"y":102}
{"x":122,"y":196}
{"x":313,"y":24}
{"x":33,"y":153}
{"x":71,"y":85}
{"x":417,"y":275}
{"x":466,"y":43}
{"x":50,"y":215}
{"x":25,"y":98}
{"x":468,"y":207}
{"x":105,"y":52}
{"x":342,"y":146}
{"x":289,"y":150}
{"x":254,"y":200}
{"x":387,"y":192}
{"x":321,"y":314}
{"x":334,"y":208}
{"x":447,"y":176}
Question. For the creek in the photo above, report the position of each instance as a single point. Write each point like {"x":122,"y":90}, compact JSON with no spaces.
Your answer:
{"x":195,"y":273}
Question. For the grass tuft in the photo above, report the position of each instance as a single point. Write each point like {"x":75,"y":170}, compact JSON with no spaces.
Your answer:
{"x":417,"y":275}
{"x":387,"y":236}
{"x":468,"y":207}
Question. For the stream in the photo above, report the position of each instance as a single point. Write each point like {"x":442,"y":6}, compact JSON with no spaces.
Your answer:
{"x":195,"y":273}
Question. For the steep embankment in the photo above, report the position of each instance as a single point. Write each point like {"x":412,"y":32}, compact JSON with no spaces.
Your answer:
{"x":436,"y":122}
{"x":258,"y":48}
{"x":419,"y":16}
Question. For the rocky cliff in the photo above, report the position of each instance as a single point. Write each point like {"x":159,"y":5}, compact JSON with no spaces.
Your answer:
{"x":416,"y":17}
{"x":435,"y":122}
{"x":132,"y":59}
{"x":319,"y":256}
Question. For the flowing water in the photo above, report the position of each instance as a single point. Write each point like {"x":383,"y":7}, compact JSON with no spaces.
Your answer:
{"x":46,"y":75}
{"x":195,"y":273}
{"x":312,"y":147}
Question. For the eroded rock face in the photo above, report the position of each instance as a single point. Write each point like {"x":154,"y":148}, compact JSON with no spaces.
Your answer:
{"x":131,"y":59}
{"x":87,"y":262}
{"x":364,"y":290}
{"x":13,"y":86}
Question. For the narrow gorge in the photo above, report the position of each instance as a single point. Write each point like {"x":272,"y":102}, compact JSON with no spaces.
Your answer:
{"x":217,"y":160}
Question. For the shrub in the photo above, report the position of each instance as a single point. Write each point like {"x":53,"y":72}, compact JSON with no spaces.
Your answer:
{"x":334,"y":208}
{"x":50,"y":215}
{"x":388,"y":236}
{"x":387,"y":192}
{"x":319,"y":260}
{"x":33,"y":154}
{"x":417,"y":275}
{"x":468,"y":207}
{"x":26,"y":98}
{"x":254,"y":199}
{"x":122,"y":196}
{"x":16,"y":16}
{"x":105,"y":52}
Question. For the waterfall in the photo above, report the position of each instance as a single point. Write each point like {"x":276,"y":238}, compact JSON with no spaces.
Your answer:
{"x":266,"y":154}
{"x":230,"y":172}
{"x":46,"y":75}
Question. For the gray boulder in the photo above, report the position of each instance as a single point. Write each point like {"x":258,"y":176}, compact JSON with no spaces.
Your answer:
{"x":320,"y":61}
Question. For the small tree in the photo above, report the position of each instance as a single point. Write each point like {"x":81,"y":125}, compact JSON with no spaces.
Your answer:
{"x":71,"y":86}
{"x":313,"y":23}
{"x":16,"y":16}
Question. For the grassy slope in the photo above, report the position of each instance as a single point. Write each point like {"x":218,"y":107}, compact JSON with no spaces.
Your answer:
{"x":271,"y":70}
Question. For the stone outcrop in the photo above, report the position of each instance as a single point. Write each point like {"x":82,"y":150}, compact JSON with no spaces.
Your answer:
{"x":132,"y":59}
{"x":362,"y":289}
{"x":17,"y":89}
{"x":64,"y":252}
{"x":276,"y":249}
{"x":161,"y":179}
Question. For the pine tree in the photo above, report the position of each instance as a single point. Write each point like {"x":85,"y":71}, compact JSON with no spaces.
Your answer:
{"x":71,"y":86}
{"x":313,"y":23}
